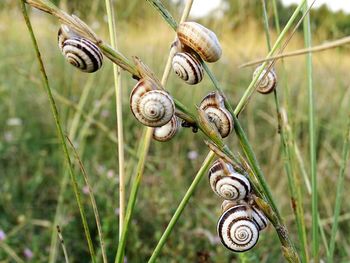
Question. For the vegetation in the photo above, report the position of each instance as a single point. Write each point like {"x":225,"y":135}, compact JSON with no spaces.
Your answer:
{"x":31,"y":160}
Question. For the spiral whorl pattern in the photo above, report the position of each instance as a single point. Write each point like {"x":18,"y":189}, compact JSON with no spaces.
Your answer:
{"x":79,"y":52}
{"x":167,"y":131}
{"x":227,"y":183}
{"x":202,"y":40}
{"x":214,"y":107}
{"x":151,"y":107}
{"x":188,"y":68}
{"x":236,"y":230}
{"x":268,"y":83}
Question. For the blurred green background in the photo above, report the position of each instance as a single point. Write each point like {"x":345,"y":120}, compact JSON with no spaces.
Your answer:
{"x":32,"y":169}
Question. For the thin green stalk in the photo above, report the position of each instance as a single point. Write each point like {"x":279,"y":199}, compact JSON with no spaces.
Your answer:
{"x":312,"y":134}
{"x":60,"y":131}
{"x":202,"y":171}
{"x":296,"y":196}
{"x":92,"y":201}
{"x":339,"y":194}
{"x":133,"y":193}
{"x":59,"y":234}
{"x":118,"y":98}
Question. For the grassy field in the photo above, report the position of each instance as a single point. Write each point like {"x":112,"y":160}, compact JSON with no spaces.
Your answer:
{"x":32,"y":169}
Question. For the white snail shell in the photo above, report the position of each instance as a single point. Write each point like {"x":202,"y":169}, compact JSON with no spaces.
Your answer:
{"x":78,"y":51}
{"x":227,"y":183}
{"x":259,"y":218}
{"x":267,"y":84}
{"x":200,"y":39}
{"x":150,"y":106}
{"x":214,"y":107}
{"x":167,"y":131}
{"x":188,"y":68}
{"x":237,"y":231}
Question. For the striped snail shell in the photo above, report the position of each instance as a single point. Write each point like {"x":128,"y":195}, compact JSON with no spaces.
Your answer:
{"x":78,"y":51}
{"x":227,"y":183}
{"x":214,"y":107}
{"x":268,"y":83}
{"x":259,"y":218}
{"x":150,"y":106}
{"x":237,"y":231}
{"x":188,"y":68}
{"x":200,"y":39}
{"x":167,"y":131}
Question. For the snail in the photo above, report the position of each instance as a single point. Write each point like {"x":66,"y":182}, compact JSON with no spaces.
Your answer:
{"x":187,"y":67}
{"x":268,"y":83}
{"x":151,"y":106}
{"x":254,"y":212}
{"x":200,"y":39}
{"x":228,"y":183}
{"x":214,"y":107}
{"x":78,"y":51}
{"x":167,"y":131}
{"x":237,"y":230}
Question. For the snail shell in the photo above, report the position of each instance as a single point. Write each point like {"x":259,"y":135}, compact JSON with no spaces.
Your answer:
{"x":237,"y":231}
{"x":167,"y":131}
{"x":268,"y":83}
{"x":227,"y":183}
{"x":214,"y":107}
{"x":79,"y":52}
{"x":188,"y":68}
{"x":259,"y":218}
{"x":150,"y":106}
{"x":202,"y":40}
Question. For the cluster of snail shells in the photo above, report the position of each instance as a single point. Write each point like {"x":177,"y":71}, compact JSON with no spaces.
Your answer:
{"x":150,"y":105}
{"x":268,"y":83}
{"x":78,"y":51}
{"x":196,"y":43}
{"x":213,"y":106}
{"x":240,"y":223}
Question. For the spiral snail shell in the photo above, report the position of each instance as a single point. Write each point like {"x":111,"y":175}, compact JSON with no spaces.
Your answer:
{"x":188,"y":68}
{"x":167,"y":131}
{"x":78,"y":51}
{"x":268,"y":83}
{"x":237,"y":231}
{"x":227,"y":183}
{"x":150,"y":106}
{"x":214,"y":107}
{"x":200,"y":39}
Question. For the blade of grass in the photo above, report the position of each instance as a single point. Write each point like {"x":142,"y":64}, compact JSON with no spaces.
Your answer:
{"x":133,"y":193}
{"x":202,"y":171}
{"x":296,"y":196}
{"x":312,"y":134}
{"x":59,"y":130}
{"x":339,"y":194}
{"x":118,"y":101}
{"x":59,"y":234}
{"x":92,"y":201}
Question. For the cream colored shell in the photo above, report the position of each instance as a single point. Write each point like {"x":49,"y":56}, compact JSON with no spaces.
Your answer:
{"x":150,"y":106}
{"x":227,"y":183}
{"x":237,"y":231}
{"x":268,"y":83}
{"x":214,"y":107}
{"x":187,"y":67}
{"x":200,"y":39}
{"x":167,"y":131}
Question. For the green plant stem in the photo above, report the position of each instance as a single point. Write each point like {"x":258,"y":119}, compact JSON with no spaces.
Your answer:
{"x":133,"y":193}
{"x":339,"y":193}
{"x":118,"y":98}
{"x":312,"y":134}
{"x":202,"y":171}
{"x":296,"y":196}
{"x":60,"y":131}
